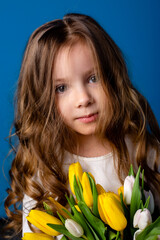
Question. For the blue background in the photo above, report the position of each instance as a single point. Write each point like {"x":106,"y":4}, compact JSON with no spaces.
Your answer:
{"x":133,"y":24}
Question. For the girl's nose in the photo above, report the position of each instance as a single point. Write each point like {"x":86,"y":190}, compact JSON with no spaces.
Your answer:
{"x":83,"y":98}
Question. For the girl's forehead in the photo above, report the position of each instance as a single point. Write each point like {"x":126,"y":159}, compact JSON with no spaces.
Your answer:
{"x":73,"y":50}
{"x":77,"y":57}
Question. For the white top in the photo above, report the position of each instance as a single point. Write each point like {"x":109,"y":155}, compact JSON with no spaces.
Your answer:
{"x":102,"y":168}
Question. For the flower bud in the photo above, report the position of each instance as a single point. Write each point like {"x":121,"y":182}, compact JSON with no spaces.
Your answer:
{"x":40,"y":220}
{"x":128,"y":187}
{"x":75,"y":169}
{"x":151,"y":201}
{"x":142,"y":219}
{"x":111,"y":211}
{"x":74,"y":228}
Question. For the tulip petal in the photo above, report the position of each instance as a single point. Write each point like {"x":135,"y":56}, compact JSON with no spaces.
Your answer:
{"x":74,"y":169}
{"x":142,"y":218}
{"x":128,"y":188}
{"x":40,"y":219}
{"x":111,"y":211}
{"x":37,"y":236}
{"x":101,"y":208}
{"x":87,"y":192}
{"x":74,"y":228}
{"x":136,"y":196}
{"x":151,"y":201}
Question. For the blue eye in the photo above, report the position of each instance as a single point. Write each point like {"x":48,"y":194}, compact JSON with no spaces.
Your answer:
{"x":60,"y":88}
{"x":93,"y":79}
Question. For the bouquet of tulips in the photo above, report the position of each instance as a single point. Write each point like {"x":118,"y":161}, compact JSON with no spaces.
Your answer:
{"x":99,"y":215}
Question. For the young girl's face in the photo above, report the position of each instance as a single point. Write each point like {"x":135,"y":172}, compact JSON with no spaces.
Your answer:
{"x":79,"y":94}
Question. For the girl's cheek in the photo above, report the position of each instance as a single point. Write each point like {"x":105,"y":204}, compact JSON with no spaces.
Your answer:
{"x":61,"y":104}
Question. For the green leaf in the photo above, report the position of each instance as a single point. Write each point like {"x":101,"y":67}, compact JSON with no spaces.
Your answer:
{"x":93,"y":232}
{"x":72,"y":200}
{"x":150,"y":231}
{"x":80,"y":187}
{"x":64,"y":238}
{"x":66,"y":211}
{"x":141,"y":205}
{"x":111,"y":235}
{"x":147,"y":202}
{"x":77,"y":189}
{"x":151,"y":238}
{"x":125,"y":209}
{"x":47,"y":208}
{"x":61,"y":217}
{"x":136,"y":197}
{"x":131,"y":172}
{"x":127,"y":230}
{"x":71,"y":204}
{"x":78,"y":217}
{"x":95,"y":222}
{"x":142,"y":188}
{"x":95,"y":196}
{"x":63,"y":230}
{"x":117,"y":236}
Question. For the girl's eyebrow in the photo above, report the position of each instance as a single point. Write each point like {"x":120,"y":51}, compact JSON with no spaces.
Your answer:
{"x":59,"y":80}
{"x":86,"y":73}
{"x":90,"y":71}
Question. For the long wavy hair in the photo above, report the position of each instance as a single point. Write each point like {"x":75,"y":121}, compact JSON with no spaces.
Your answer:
{"x":42,"y":135}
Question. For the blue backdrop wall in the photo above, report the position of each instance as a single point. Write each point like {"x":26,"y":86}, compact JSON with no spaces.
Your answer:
{"x":133,"y":24}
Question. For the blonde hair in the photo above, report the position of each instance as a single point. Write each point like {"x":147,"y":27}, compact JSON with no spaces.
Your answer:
{"x":40,"y":130}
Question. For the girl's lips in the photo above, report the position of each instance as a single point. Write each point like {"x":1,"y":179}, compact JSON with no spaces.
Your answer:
{"x":89,"y":118}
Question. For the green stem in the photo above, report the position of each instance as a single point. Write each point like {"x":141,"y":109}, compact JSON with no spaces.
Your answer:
{"x":83,"y":236}
{"x":117,"y":236}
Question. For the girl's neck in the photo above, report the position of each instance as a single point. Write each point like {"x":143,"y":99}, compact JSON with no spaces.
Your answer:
{"x":92,"y":146}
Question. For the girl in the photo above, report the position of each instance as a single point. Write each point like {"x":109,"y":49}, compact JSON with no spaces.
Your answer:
{"x":75,"y":102}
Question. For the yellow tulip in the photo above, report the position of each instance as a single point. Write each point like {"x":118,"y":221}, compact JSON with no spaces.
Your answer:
{"x":37,"y":236}
{"x":87,"y":192}
{"x":74,"y":169}
{"x":59,"y":207}
{"x":111,"y":211}
{"x":40,"y":219}
{"x":100,"y":189}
